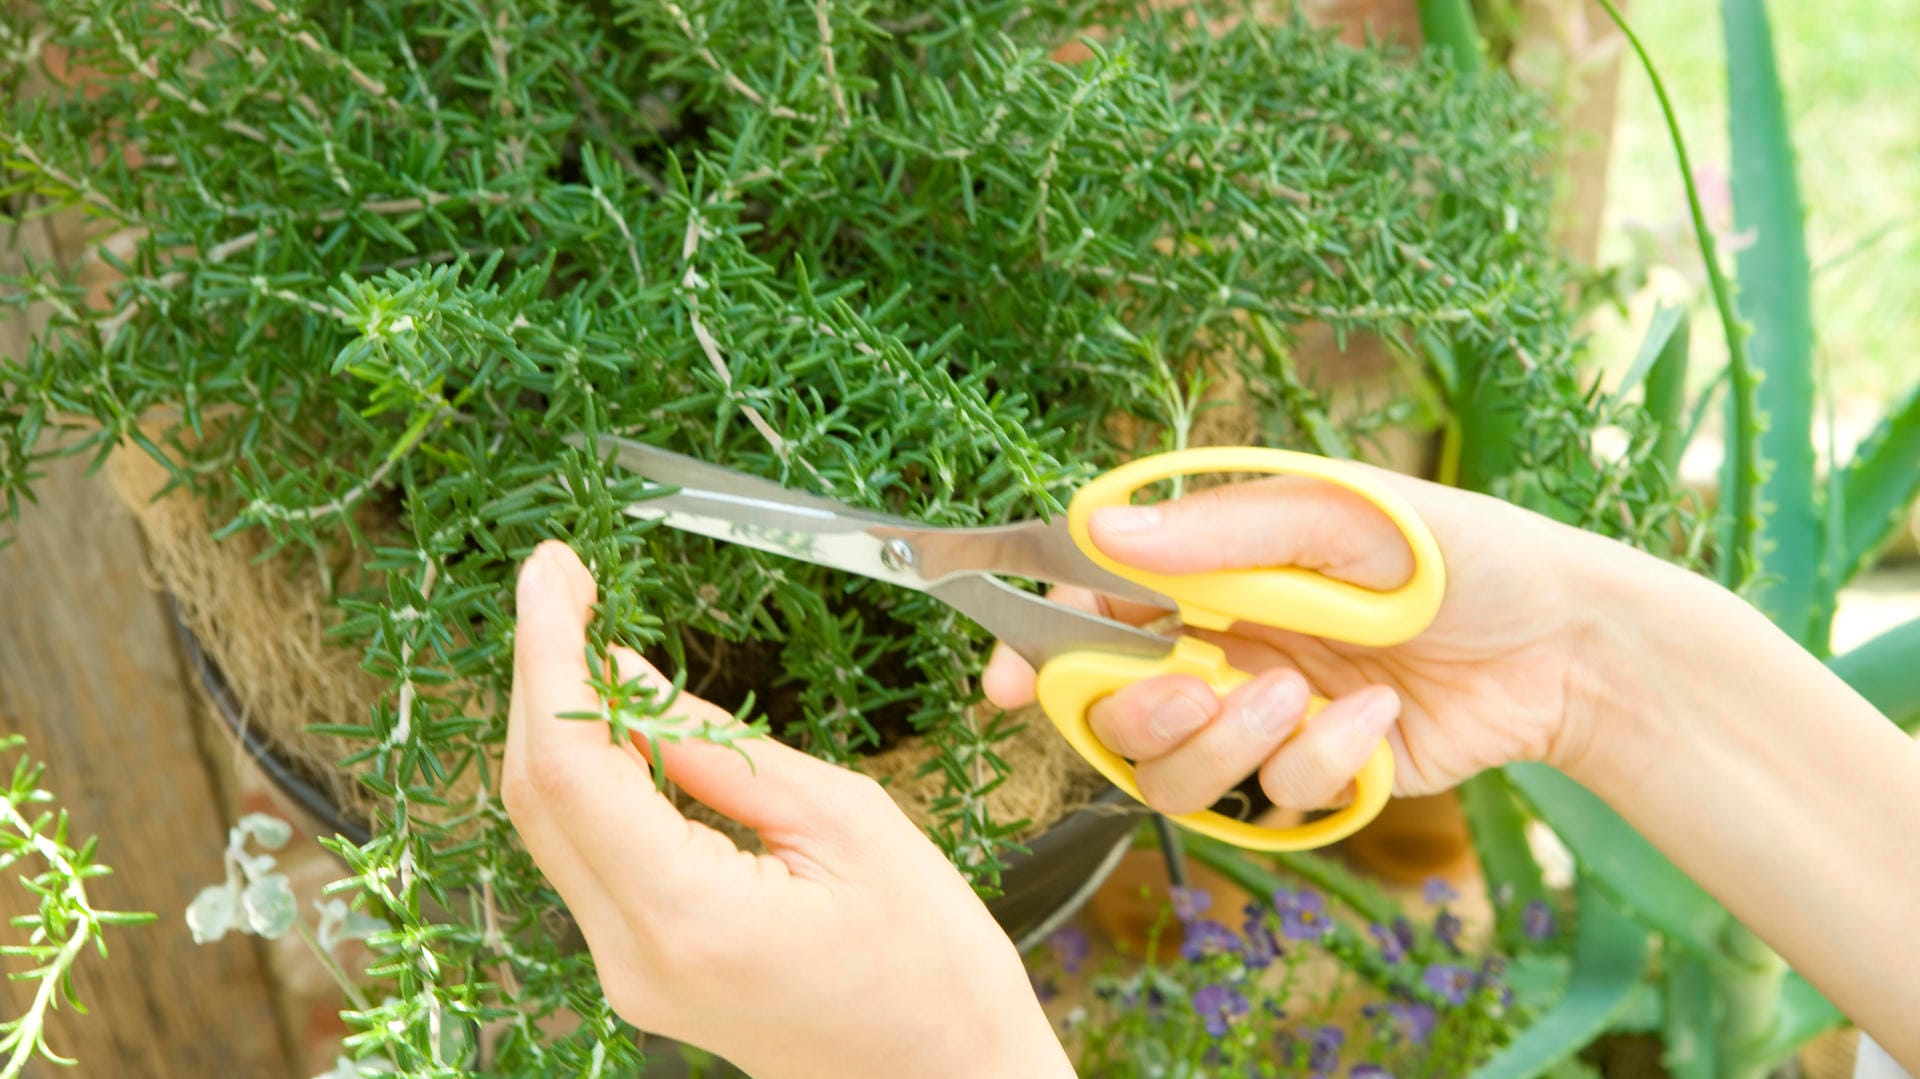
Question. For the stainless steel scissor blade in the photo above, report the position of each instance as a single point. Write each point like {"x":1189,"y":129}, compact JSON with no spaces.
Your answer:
{"x":952,"y":565}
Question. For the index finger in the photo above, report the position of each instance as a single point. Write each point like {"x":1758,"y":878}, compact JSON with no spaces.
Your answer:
{"x":1008,"y":678}
{"x":568,"y":778}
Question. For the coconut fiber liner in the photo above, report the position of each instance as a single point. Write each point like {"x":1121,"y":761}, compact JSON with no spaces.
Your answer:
{"x":262,"y":622}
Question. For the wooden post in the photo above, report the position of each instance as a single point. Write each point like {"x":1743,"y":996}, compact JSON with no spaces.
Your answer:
{"x":90,"y":675}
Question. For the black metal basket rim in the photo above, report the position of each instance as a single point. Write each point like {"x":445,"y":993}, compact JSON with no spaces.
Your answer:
{"x":293,"y":782}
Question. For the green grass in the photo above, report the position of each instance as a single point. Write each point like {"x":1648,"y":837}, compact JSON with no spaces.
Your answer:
{"x":1855,"y":106}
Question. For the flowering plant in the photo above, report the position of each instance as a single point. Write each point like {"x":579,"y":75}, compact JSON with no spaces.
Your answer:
{"x":1285,"y":988}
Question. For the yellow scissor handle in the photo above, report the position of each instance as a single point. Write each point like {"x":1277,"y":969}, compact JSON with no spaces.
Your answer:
{"x":1286,"y":597}
{"x":1283,"y":596}
{"x":1071,"y":683}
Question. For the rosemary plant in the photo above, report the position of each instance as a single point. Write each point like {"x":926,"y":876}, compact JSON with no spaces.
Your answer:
{"x":64,"y":922}
{"x":382,"y":256}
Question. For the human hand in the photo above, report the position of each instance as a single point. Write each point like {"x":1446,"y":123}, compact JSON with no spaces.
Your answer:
{"x":1496,"y":677}
{"x":852,"y":947}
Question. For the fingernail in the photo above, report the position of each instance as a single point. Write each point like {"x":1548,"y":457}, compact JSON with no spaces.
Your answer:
{"x":1128,"y":520}
{"x":1374,"y":712}
{"x":535,"y":572}
{"x":1277,"y":707}
{"x":1176,"y":717}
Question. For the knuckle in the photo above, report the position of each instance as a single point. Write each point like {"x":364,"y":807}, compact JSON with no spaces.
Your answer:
{"x":863,"y":792}
{"x":701,"y":955}
{"x":544,"y":777}
{"x":1166,"y":792}
{"x":1224,"y":763}
{"x":1116,"y":728}
{"x":628,"y":995}
{"x":855,"y":806}
{"x":1308,"y":777}
{"x":516,"y":793}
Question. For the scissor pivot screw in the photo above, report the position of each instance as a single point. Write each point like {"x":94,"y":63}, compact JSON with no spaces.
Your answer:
{"x":897,"y":554}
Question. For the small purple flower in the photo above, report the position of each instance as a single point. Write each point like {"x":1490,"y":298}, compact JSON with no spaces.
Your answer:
{"x":1450,"y":982}
{"x":1070,"y":948}
{"x":1446,"y":929}
{"x":1218,"y":1006}
{"x":1413,"y":1020}
{"x":1262,"y":947}
{"x":1303,"y":914}
{"x":1438,"y":891}
{"x":1396,"y":941}
{"x":1323,"y":1052}
{"x":1190,"y":903}
{"x":1133,"y":996}
{"x":1490,"y":971}
{"x":1207,"y":937}
{"x":1369,"y":1071}
{"x":1536,"y":920}
{"x":1043,"y":988}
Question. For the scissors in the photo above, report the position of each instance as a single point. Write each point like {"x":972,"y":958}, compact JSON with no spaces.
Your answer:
{"x":1080,"y":657}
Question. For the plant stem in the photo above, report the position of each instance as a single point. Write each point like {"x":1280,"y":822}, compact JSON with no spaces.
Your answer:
{"x":331,"y":964}
{"x":25,"y":1038}
{"x":1171,"y":851}
{"x":1749,"y":992}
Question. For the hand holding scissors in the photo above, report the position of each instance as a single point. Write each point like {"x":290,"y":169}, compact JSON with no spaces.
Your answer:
{"x":1083,"y":657}
{"x":1671,"y":699}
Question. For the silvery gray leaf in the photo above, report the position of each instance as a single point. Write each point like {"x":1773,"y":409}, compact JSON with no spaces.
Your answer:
{"x":269,"y":831}
{"x":212,"y":912}
{"x":269,"y":905}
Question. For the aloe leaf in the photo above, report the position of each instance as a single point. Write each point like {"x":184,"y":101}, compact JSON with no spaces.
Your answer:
{"x":1804,"y":1015}
{"x":1776,"y":296}
{"x":1499,"y":831}
{"x":1667,"y":319}
{"x":1882,"y":671}
{"x":1449,"y":25}
{"x":1359,"y":894}
{"x":1363,"y":896}
{"x":1634,"y":873}
{"x":1879,"y":483}
{"x":1610,"y":951}
{"x":1692,"y":1029}
{"x":1666,"y":397}
{"x":1742,"y":512}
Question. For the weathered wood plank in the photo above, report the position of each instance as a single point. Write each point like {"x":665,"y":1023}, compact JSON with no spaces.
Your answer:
{"x":90,"y":675}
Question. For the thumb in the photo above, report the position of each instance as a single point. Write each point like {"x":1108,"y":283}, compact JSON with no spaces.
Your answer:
{"x":1284,"y":521}
{"x":781,"y":793}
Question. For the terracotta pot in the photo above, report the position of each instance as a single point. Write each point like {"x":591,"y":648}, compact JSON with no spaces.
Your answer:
{"x":1416,"y":838}
{"x":1133,"y":899}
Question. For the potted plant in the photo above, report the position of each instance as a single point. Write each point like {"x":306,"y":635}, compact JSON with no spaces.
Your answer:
{"x":369,"y":264}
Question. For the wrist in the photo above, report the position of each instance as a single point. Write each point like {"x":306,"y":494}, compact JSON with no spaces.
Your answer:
{"x":1643,"y":632}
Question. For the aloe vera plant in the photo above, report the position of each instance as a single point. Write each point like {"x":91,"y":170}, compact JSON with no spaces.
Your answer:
{"x":1791,"y":535}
